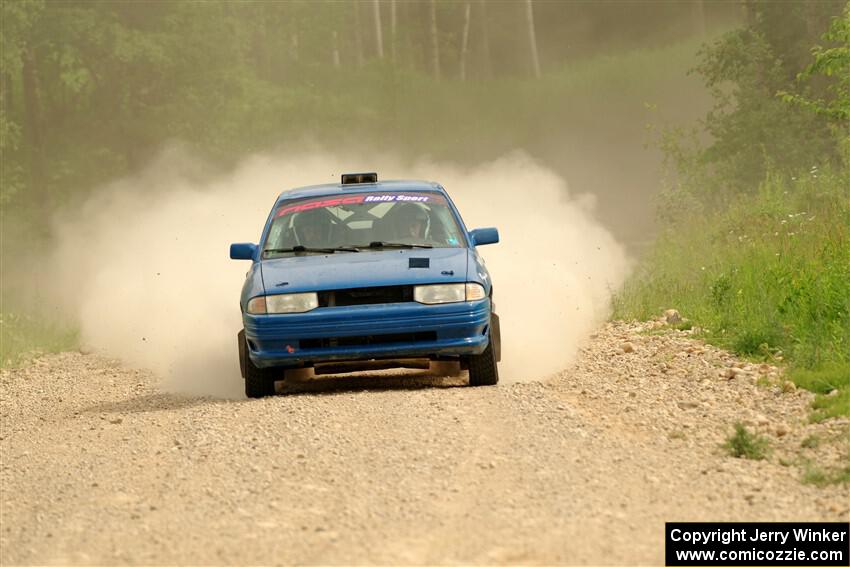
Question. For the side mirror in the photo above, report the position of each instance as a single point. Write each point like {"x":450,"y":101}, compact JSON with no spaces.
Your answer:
{"x":243,"y":251}
{"x":481,"y":236}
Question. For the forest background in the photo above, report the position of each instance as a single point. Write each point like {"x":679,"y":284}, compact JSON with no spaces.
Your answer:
{"x":714,"y":135}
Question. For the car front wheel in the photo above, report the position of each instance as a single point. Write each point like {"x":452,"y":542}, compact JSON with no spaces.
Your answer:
{"x":482,"y":367}
{"x":259,"y":382}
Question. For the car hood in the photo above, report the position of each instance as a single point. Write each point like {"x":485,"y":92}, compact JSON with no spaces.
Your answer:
{"x":344,"y":270}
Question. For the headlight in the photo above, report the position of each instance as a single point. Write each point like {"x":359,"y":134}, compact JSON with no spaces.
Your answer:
{"x":448,"y":293}
{"x":283,"y":303}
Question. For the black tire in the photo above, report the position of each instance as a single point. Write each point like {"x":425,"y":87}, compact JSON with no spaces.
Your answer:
{"x":482,"y":367}
{"x":496,"y":336}
{"x":259,"y":382}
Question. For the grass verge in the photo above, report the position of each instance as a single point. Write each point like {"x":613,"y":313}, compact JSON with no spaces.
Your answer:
{"x":24,"y":336}
{"x":768,"y":278}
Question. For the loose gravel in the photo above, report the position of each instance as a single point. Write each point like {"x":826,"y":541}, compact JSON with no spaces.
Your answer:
{"x":97,"y":466}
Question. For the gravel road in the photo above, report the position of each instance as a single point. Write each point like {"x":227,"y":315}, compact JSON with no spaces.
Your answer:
{"x":584,"y":467}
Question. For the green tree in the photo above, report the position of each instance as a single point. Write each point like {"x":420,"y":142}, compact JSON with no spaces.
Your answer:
{"x":19,"y":144}
{"x":831,"y":62}
{"x":752,"y":129}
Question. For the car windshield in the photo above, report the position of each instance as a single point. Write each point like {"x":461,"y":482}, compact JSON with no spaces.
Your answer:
{"x":348,"y":223}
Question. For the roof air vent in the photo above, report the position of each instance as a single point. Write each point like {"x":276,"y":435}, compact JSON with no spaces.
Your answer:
{"x":354,"y":178}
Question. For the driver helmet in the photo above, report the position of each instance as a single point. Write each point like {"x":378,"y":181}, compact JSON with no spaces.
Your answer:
{"x":409,"y":216}
{"x":311,"y":227}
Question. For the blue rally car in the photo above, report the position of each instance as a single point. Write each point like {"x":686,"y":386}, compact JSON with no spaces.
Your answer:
{"x":366,"y":275}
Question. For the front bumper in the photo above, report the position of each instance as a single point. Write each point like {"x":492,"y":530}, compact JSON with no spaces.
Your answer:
{"x":391,"y":330}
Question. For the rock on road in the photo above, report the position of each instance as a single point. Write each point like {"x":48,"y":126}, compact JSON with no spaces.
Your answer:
{"x":100,"y":467}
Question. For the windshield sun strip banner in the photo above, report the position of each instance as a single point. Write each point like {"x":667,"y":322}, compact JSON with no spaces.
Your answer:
{"x":363,"y":198}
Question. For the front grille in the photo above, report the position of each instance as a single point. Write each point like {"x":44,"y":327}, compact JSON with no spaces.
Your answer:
{"x":363,"y":340}
{"x":366,"y":296}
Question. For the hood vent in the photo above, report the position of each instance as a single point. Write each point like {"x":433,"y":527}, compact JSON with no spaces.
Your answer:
{"x":419,"y":263}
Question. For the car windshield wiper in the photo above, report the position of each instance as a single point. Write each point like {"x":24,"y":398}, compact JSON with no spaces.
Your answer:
{"x":302,"y":249}
{"x":382,"y":244}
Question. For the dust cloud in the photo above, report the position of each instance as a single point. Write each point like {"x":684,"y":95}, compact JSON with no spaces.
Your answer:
{"x":144,"y":264}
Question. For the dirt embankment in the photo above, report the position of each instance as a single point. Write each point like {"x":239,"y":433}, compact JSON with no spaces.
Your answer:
{"x":582,"y":467}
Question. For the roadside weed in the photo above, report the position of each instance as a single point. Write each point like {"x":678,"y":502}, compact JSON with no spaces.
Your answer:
{"x":743,"y":444}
